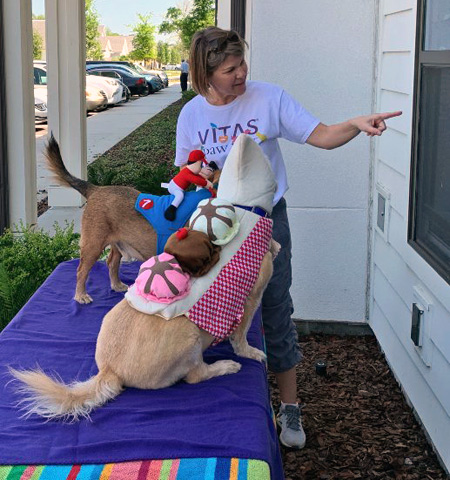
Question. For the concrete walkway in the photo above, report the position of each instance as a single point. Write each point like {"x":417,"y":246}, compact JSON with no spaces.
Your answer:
{"x":104,"y":130}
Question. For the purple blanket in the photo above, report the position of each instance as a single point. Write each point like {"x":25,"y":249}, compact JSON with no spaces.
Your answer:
{"x":227,"y":416}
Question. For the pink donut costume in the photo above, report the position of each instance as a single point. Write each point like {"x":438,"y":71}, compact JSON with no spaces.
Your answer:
{"x":161,"y":279}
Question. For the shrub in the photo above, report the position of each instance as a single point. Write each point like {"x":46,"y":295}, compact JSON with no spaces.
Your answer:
{"x":26,"y":260}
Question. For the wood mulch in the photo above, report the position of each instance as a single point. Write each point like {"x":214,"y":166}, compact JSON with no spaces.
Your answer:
{"x":357,"y":422}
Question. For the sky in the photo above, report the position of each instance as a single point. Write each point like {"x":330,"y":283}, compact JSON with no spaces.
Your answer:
{"x":118,"y":15}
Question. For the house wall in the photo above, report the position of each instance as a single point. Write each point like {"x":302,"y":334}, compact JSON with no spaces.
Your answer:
{"x":400,"y":277}
{"x":322,"y":53}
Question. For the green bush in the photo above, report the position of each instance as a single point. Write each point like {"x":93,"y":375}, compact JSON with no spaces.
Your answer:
{"x":26,"y":260}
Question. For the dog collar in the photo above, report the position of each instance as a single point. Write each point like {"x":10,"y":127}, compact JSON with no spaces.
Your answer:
{"x":258,"y":210}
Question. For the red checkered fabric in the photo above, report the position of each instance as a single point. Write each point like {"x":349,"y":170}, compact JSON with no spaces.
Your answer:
{"x":219,"y":311}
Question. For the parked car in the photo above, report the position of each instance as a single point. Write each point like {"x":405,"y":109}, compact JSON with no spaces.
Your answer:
{"x":96,"y":98}
{"x":154,"y":83}
{"x":136,"y":83}
{"x":40,"y":94}
{"x":171,"y":66}
{"x":112,"y":87}
{"x":40,"y":103}
{"x":163,"y":75}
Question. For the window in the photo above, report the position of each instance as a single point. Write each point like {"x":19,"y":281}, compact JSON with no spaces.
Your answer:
{"x":429,"y":224}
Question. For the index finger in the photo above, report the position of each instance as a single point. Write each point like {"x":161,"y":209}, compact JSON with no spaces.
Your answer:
{"x":387,"y":115}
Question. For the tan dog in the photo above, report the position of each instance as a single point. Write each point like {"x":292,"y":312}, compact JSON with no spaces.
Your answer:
{"x":109,"y":218}
{"x":143,"y":351}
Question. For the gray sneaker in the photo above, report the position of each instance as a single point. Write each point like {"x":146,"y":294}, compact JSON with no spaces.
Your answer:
{"x":292,"y":434}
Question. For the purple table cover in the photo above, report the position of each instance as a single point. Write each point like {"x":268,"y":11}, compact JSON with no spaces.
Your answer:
{"x":228,"y":416}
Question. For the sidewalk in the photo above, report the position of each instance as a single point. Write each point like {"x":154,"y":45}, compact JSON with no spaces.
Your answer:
{"x":104,"y":130}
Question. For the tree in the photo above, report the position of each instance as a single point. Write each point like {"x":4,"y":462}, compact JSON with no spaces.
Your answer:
{"x":38,"y":44}
{"x":162,"y":53}
{"x":93,"y":47}
{"x":175,"y":56}
{"x":38,"y":17}
{"x":186,"y":24}
{"x":110,"y":33}
{"x":166,"y":54}
{"x":144,"y":45}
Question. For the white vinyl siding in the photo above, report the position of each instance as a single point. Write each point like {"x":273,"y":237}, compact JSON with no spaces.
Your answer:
{"x":397,"y":270}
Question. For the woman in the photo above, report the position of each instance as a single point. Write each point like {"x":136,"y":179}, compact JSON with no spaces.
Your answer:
{"x":226,"y":106}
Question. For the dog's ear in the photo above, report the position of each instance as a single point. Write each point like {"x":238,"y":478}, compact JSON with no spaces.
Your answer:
{"x":195,"y":252}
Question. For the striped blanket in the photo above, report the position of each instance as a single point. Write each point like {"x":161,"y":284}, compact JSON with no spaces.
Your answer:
{"x":177,"y":469}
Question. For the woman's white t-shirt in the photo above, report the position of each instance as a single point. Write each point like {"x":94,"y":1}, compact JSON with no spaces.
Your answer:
{"x":265,"y":112}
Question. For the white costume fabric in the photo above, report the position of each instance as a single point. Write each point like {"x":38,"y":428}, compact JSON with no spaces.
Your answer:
{"x":214,"y":129}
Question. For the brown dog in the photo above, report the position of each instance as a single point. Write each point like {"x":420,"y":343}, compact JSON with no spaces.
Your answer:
{"x":138,"y":350}
{"x":109,"y":218}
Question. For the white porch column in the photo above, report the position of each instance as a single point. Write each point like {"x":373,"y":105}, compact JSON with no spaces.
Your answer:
{"x":66,"y":57}
{"x":20,"y":111}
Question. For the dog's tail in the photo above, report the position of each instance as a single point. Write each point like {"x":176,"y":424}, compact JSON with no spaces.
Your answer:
{"x":52,"y":399}
{"x":57,"y":167}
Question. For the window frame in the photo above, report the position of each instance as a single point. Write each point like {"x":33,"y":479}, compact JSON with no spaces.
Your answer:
{"x":428,"y":58}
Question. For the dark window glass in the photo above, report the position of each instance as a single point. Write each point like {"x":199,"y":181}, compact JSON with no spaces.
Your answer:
{"x":432,"y":230}
{"x":437,"y":25}
{"x":429,"y":227}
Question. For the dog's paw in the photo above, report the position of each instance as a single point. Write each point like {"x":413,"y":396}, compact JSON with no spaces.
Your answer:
{"x":227,"y":367}
{"x":83,"y":298}
{"x":119,"y":287}
{"x":253,"y":353}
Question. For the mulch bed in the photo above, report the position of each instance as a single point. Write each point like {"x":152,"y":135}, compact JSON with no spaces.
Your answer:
{"x":357,"y":422}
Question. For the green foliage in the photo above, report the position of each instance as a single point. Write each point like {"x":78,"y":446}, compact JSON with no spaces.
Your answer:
{"x":110,"y":33}
{"x":26,"y":260}
{"x":144,"y":44}
{"x":38,"y":17}
{"x":93,"y":47}
{"x":146,"y":157}
{"x":162,"y":52}
{"x":38,"y":44}
{"x":188,"y":95}
{"x":175,"y":56}
{"x":201,"y":15}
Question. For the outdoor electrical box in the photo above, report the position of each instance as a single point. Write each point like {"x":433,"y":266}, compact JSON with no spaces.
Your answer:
{"x":381,"y":213}
{"x":416,"y":324}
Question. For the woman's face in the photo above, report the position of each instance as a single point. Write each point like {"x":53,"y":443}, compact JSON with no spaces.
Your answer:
{"x":228,"y":80}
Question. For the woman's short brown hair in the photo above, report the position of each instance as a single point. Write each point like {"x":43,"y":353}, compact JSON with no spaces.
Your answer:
{"x":209,"y":48}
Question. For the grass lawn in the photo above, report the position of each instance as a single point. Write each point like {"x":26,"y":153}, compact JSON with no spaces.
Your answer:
{"x":145,"y":158}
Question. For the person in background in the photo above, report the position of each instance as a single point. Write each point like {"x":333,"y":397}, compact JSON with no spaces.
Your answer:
{"x":184,"y":75}
{"x":226,"y":106}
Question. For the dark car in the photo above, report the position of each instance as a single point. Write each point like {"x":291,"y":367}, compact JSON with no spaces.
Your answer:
{"x":136,"y":83}
{"x":154,"y":81}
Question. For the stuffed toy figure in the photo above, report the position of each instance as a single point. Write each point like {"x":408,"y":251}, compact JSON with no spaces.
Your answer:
{"x":182,"y":180}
